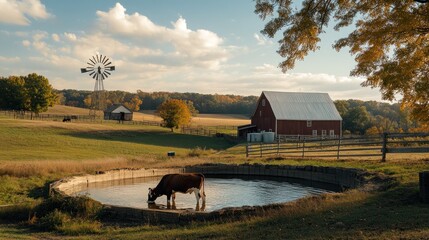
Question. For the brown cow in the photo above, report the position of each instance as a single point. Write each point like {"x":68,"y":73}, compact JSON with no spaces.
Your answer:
{"x":183,"y":183}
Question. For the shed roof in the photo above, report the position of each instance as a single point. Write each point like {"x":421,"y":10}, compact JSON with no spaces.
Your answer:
{"x":114,"y":107}
{"x":302,"y":106}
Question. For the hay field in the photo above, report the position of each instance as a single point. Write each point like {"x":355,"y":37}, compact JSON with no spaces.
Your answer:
{"x":150,"y":115}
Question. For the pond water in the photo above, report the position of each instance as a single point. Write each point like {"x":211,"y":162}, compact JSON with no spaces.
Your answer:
{"x":220,"y":193}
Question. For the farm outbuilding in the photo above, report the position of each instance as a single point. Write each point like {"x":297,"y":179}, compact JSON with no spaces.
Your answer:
{"x":297,"y":114}
{"x":118,"y":112}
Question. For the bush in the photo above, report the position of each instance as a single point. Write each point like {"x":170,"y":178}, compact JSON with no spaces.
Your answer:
{"x":80,"y":206}
{"x":196,"y":152}
{"x":53,"y":220}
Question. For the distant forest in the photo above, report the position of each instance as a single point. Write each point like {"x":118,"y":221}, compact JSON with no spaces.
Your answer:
{"x":359,"y":117}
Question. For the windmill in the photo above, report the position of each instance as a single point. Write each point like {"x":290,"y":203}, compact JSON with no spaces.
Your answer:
{"x":99,"y":68}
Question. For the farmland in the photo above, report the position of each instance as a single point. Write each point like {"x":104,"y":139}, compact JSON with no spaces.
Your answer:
{"x":35,"y":153}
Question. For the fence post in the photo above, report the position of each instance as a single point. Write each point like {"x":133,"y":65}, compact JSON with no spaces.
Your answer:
{"x":384,"y":149}
{"x":260,"y":147}
{"x":338,"y":149}
{"x":247,"y":150}
{"x":278,"y":146}
{"x":303,"y":147}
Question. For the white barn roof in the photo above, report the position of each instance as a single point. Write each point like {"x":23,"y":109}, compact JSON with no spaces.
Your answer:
{"x":302,"y":106}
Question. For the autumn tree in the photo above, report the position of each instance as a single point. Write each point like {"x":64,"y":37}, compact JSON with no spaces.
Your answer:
{"x":174,"y":113}
{"x":390,"y":41}
{"x":134,"y":104}
{"x":40,"y":94}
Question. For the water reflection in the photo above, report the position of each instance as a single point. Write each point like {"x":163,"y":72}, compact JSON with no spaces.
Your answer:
{"x":220,"y":192}
{"x":172,"y":206}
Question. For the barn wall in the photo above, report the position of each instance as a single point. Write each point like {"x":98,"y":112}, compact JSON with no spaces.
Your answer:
{"x":295,"y":127}
{"x":263,"y":117}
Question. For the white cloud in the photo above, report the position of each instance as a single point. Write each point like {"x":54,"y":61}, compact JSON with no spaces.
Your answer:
{"x":56,"y":37}
{"x":9,"y":59}
{"x":26,"y":43}
{"x":200,"y":47}
{"x":70,"y":36}
{"x":17,"y":11}
{"x":262,"y":40}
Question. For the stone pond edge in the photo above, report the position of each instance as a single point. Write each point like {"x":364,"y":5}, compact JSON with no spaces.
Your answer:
{"x":345,"y":178}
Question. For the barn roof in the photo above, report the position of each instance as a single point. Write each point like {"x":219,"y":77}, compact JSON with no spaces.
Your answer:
{"x":302,"y":106}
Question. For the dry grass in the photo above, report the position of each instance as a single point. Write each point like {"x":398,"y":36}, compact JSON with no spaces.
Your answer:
{"x":60,"y":167}
{"x":67,"y":110}
{"x":150,"y":115}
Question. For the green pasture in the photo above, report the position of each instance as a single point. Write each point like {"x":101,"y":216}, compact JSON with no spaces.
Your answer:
{"x":35,"y":153}
{"x":38,"y":140}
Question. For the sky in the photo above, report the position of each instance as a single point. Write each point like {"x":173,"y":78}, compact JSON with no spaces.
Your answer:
{"x":197,"y":46}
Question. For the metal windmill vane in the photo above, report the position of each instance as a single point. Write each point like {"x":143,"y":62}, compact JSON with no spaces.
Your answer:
{"x":99,"y":68}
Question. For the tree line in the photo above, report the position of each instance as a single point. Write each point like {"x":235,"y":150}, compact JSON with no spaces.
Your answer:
{"x":202,"y":103}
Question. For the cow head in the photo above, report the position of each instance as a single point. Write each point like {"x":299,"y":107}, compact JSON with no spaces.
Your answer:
{"x":152,"y":196}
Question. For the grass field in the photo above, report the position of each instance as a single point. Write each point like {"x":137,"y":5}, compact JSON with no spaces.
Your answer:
{"x":150,"y":115}
{"x":35,"y":153}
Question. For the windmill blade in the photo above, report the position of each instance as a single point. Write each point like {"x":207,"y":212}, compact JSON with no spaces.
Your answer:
{"x":98,"y":60}
{"x":105,"y":75}
{"x":95,"y":61}
{"x":104,"y":58}
{"x":107,"y":72}
{"x":108,"y":64}
{"x":95,"y":76}
{"x":102,"y":76}
{"x":92,"y":61}
{"x":105,"y":61}
{"x":90,"y":64}
{"x":91,"y":73}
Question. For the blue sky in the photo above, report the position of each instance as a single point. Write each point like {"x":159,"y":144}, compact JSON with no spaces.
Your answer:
{"x":170,"y":45}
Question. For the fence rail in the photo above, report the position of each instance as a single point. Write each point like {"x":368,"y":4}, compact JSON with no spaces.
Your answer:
{"x":372,"y":146}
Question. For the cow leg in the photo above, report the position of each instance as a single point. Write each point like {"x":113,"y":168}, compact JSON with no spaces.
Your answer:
{"x":174,"y":196}
{"x":197,"y":195}
{"x":168,"y":198}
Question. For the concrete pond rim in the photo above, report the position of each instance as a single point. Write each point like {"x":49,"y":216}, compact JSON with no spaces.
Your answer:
{"x":344,"y":178}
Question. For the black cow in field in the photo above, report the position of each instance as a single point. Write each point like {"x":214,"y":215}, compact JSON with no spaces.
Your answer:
{"x":183,"y":183}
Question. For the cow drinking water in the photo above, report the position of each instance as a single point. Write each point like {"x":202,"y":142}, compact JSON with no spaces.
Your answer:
{"x":183,"y":183}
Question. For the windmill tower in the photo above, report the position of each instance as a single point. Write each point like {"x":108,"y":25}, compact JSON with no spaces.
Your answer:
{"x":99,"y":68}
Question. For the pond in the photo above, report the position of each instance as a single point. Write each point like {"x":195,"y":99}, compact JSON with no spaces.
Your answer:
{"x":220,"y":192}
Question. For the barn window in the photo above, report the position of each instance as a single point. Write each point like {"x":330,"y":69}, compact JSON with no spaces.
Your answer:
{"x":308,"y":123}
{"x":323,"y":132}
{"x":314,"y":132}
{"x":263,"y":102}
{"x":331,"y":133}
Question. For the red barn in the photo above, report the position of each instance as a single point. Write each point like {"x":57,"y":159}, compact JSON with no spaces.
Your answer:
{"x":297,"y":114}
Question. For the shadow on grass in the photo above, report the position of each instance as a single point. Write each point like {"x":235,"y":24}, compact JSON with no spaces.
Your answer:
{"x":157,"y":138}
{"x":382,"y":215}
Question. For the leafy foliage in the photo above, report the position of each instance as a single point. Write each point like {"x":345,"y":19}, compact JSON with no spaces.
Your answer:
{"x":27,"y":93}
{"x":390,"y":42}
{"x":174,"y":113}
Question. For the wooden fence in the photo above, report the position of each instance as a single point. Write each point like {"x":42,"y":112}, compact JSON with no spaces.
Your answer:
{"x":371,"y":146}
